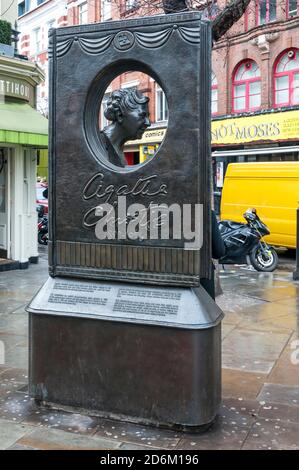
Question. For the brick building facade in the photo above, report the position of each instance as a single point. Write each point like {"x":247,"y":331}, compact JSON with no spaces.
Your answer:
{"x":255,"y":79}
{"x":262,"y":43}
{"x":256,"y":88}
{"x":35,"y":18}
{"x":80,"y":12}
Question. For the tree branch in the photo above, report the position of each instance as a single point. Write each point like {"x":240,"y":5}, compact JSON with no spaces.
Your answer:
{"x":174,"y":6}
{"x":230,"y":15}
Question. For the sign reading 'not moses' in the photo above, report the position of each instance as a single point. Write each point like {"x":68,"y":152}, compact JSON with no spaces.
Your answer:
{"x":147,"y":222}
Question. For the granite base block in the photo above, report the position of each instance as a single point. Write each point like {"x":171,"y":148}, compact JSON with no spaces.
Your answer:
{"x":164,"y":371}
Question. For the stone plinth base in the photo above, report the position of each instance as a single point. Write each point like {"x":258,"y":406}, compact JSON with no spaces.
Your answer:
{"x":158,"y":362}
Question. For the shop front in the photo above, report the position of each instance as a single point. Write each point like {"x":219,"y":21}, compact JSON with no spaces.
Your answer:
{"x":137,"y":151}
{"x":23,"y":131}
{"x":262,"y":137}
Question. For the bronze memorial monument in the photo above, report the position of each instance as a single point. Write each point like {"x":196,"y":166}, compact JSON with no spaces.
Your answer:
{"x":123,"y":327}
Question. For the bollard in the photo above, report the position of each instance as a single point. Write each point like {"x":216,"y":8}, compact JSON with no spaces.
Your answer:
{"x":296,"y":272}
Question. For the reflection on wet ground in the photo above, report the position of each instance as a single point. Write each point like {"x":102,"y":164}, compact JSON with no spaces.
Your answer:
{"x":260,"y":408}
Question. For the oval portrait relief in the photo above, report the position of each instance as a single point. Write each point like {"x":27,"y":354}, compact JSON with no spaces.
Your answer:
{"x":132,"y":122}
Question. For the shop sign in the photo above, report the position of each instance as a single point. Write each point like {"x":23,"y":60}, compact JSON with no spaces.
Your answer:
{"x":150,"y":136}
{"x":15,"y":88}
{"x":265,"y":127}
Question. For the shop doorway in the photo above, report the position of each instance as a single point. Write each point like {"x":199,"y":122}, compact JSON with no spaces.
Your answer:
{"x":4,"y":240}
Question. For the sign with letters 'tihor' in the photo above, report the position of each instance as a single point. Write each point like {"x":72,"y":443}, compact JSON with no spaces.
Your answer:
{"x":15,"y":88}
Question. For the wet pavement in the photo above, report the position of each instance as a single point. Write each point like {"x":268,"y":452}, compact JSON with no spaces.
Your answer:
{"x":260,"y":408}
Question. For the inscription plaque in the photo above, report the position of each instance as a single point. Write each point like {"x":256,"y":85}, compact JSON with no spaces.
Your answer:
{"x":178,"y":307}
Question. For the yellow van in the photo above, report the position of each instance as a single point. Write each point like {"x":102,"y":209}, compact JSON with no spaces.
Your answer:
{"x":272,"y":188}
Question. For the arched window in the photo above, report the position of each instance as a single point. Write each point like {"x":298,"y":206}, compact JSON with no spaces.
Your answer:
{"x":286,"y":79}
{"x":214,"y":100}
{"x":246,"y":87}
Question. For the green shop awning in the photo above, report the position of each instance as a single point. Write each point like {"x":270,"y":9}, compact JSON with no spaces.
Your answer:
{"x":21,"y":124}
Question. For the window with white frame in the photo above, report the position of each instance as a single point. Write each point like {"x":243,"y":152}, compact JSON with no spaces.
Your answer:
{"x":246,"y":90}
{"x":36,"y":36}
{"x":132,"y":85}
{"x":27,"y":5}
{"x":292,"y":8}
{"x":106,"y":10}
{"x":161,"y":105}
{"x":21,"y":8}
{"x":286,"y":79}
{"x":50,"y":24}
{"x":214,"y":93}
{"x":266,"y":11}
{"x":104,"y":121}
{"x":83,"y":13}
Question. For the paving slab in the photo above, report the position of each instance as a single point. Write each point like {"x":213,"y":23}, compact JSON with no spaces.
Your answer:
{"x":245,"y":385}
{"x":270,"y":435}
{"x":14,"y":323}
{"x":279,"y":412}
{"x":49,"y":418}
{"x":285,"y":371}
{"x":129,"y":446}
{"x":11,"y":432}
{"x":17,"y":356}
{"x":136,"y":434}
{"x":19,"y":447}
{"x":231,"y":302}
{"x":253,"y":351}
{"x":226,"y":329}
{"x":14,"y":375}
{"x":219,"y":437}
{"x":52,"y":439}
{"x":278,"y":393}
{"x":260,"y":408}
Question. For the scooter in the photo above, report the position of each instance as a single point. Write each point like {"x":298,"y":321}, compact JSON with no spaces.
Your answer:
{"x":245,"y":245}
{"x":40,"y":212}
{"x":42,"y":231}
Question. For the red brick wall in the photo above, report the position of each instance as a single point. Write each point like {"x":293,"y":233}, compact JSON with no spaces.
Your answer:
{"x":146,"y":86}
{"x":238,"y":44}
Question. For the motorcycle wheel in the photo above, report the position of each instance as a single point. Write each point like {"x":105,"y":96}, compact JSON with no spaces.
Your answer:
{"x":262,"y":262}
{"x":42,"y":238}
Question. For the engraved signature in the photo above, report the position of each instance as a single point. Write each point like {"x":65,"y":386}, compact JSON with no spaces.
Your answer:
{"x":95,"y":188}
{"x":143,"y":186}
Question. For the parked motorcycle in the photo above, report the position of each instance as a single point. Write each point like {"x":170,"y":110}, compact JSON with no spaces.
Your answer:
{"x":42,"y":231}
{"x":40,"y":212}
{"x":244,"y":243}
